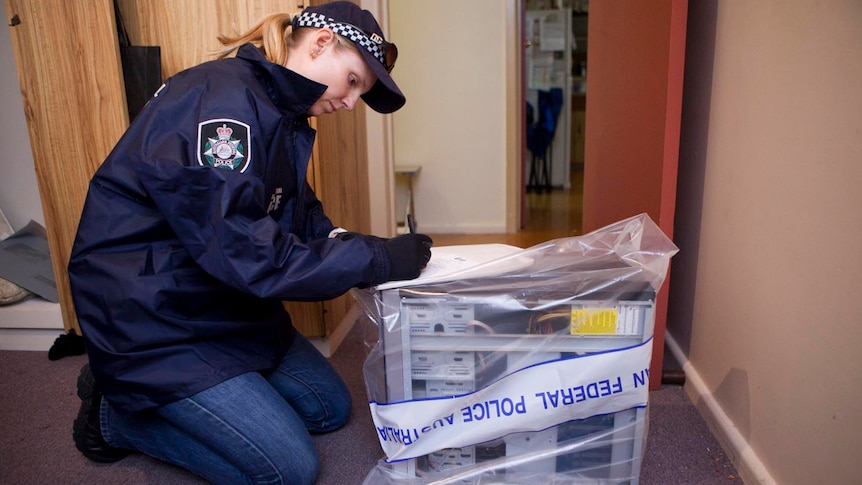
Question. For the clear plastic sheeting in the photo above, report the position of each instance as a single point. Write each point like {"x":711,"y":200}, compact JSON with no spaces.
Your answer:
{"x":504,"y":365}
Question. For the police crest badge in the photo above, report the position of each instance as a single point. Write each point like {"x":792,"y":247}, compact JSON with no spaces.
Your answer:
{"x":224,"y":143}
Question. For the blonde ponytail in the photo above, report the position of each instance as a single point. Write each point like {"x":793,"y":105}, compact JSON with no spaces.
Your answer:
{"x":272,"y":36}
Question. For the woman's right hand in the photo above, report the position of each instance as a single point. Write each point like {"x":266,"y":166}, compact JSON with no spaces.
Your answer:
{"x":408,"y":255}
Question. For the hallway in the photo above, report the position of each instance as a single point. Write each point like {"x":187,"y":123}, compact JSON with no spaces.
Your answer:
{"x":550,"y":215}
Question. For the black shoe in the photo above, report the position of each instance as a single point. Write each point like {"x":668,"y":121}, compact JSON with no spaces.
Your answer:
{"x":87,"y":430}
{"x":67,"y":344}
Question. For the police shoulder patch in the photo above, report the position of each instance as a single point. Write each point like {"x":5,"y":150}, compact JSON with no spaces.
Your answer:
{"x":224,"y":143}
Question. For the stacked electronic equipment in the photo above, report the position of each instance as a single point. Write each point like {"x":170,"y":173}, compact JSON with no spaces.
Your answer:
{"x":532,"y":367}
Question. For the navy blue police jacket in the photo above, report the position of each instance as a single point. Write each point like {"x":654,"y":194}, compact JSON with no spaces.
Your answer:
{"x":196,"y":227}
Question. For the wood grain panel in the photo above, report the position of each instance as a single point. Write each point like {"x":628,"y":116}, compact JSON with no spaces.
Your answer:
{"x":308,"y":317}
{"x":339,"y":174}
{"x":74,"y":102}
{"x":342,"y":169}
{"x":187,"y":30}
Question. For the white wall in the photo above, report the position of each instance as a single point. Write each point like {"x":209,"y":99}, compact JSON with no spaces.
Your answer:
{"x":769,"y":224}
{"x":452,"y":69}
{"x":19,"y":193}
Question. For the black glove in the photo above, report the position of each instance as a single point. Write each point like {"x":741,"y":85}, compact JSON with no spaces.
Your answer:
{"x":347,"y":236}
{"x":408,"y":254}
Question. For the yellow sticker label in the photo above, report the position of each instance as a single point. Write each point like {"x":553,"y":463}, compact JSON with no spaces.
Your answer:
{"x":594,"y":321}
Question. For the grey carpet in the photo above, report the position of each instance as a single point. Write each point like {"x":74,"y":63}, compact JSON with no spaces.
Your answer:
{"x":38,"y":404}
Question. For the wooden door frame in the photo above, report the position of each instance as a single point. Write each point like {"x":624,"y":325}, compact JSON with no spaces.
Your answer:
{"x":516,"y":145}
{"x":635,"y":94}
{"x":661,"y":28}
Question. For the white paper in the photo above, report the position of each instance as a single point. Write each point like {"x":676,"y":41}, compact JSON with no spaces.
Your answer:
{"x":449,"y":262}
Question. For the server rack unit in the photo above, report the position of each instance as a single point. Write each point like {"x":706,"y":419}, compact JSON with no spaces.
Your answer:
{"x":453,"y":343}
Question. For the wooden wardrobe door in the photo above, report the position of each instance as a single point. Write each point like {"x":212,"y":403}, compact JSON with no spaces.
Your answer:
{"x":338,"y":170}
{"x":339,"y":174}
{"x":187,"y":30}
{"x":68,"y":61}
{"x":68,"y":65}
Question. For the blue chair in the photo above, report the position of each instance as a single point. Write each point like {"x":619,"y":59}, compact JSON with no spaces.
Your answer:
{"x":540,"y":136}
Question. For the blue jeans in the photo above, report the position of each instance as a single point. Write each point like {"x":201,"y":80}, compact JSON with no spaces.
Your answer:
{"x":253,"y":428}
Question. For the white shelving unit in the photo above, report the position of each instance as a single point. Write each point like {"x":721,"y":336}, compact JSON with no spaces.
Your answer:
{"x":32,"y":324}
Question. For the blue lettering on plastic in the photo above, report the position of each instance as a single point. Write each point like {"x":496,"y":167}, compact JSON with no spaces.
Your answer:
{"x":572,"y":395}
{"x":641,"y":378}
{"x":408,"y":436}
{"x":495,"y":408}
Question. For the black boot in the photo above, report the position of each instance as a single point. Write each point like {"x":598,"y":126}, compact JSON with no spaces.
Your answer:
{"x":87,"y":430}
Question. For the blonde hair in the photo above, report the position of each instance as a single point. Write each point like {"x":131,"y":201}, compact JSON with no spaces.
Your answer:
{"x":273,"y":36}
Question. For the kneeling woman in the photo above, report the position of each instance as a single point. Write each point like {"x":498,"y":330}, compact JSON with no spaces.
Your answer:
{"x":196,"y":227}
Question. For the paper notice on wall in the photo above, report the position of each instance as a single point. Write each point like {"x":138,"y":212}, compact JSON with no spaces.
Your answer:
{"x":541,"y":72}
{"x":552,"y":34}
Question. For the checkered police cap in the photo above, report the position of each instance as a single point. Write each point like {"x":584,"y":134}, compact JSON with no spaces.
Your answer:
{"x":359,"y":26}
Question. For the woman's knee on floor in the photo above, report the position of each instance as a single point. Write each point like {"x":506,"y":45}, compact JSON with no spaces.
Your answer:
{"x":336,"y":415}
{"x":295,"y":465}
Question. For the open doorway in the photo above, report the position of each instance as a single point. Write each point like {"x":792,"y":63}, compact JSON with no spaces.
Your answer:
{"x":555,"y":90}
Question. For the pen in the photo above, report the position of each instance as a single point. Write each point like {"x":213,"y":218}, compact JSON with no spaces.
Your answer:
{"x":411,"y":226}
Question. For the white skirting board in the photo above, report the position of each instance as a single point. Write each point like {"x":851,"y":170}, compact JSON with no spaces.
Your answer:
{"x":32,"y":324}
{"x":35,"y":323}
{"x":746,"y":461}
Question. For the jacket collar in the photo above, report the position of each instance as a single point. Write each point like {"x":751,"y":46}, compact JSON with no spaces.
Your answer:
{"x":289,"y":91}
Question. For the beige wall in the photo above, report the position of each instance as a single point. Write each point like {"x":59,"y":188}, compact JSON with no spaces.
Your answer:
{"x":452,"y":67}
{"x":765,"y":296}
{"x":766,"y":290}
